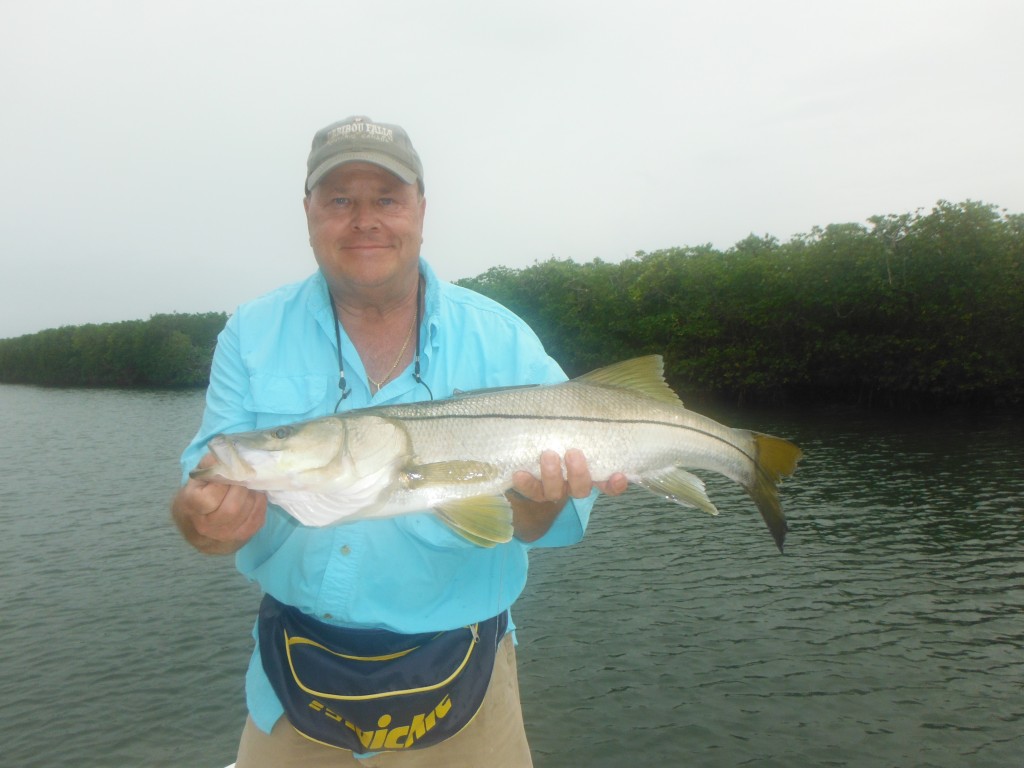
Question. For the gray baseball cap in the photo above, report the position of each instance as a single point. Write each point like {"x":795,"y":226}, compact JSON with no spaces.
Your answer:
{"x":360,"y":139}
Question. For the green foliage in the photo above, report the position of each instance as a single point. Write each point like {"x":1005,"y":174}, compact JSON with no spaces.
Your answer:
{"x":917,"y":310}
{"x":164,"y":351}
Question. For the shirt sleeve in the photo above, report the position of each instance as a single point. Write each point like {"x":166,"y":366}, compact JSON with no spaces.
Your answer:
{"x":570,"y":525}
{"x":225,"y":397}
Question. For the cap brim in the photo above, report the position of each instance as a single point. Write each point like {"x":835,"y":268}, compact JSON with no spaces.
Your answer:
{"x":407,"y":175}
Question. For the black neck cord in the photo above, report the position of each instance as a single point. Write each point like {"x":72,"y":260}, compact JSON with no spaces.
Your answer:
{"x":345,"y":391}
{"x":416,"y":351}
{"x":342,"y":385}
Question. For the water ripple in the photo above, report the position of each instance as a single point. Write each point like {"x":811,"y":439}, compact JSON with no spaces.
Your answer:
{"x":888,"y":635}
{"x":883,"y":637}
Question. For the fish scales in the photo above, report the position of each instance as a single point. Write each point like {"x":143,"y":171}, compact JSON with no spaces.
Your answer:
{"x":640,"y":435}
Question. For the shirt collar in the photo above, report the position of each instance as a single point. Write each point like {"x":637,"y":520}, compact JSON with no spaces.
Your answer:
{"x":431,"y":308}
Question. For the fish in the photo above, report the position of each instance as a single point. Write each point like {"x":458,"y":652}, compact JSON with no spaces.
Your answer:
{"x":457,"y":456}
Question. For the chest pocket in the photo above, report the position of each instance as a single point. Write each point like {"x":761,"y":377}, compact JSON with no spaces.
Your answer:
{"x":278,"y":399}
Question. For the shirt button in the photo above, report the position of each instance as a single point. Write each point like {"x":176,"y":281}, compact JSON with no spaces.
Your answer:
{"x":346,"y":550}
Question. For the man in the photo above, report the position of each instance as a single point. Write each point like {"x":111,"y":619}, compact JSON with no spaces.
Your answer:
{"x":373,"y":325}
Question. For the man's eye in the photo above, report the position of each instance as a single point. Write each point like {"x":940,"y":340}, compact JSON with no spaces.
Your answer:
{"x":385,"y":201}
{"x":340,"y":201}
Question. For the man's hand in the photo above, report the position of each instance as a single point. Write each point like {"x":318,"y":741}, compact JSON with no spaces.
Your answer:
{"x":216,"y":518}
{"x":537,"y":501}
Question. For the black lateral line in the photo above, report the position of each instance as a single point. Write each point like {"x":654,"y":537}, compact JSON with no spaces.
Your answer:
{"x":595,"y":419}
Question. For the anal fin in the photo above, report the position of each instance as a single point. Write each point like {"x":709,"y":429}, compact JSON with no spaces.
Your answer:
{"x":680,"y":486}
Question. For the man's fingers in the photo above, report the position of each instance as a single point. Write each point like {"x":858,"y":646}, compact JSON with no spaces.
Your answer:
{"x":252,"y":510}
{"x":577,"y":481}
{"x":577,"y":474}
{"x":237,"y":524}
{"x":207,"y":460}
{"x":614,"y":485}
{"x":551,"y":476}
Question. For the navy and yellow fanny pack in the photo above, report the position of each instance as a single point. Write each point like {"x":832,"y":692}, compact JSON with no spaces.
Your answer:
{"x":370,"y":690}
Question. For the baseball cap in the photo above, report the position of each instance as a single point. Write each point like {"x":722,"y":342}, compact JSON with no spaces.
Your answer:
{"x":360,"y":139}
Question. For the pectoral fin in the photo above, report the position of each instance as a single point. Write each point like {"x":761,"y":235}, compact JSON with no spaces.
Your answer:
{"x":483,"y":520}
{"x":679,"y":486}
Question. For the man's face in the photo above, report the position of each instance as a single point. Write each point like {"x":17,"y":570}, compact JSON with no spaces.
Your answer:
{"x":365,"y":226}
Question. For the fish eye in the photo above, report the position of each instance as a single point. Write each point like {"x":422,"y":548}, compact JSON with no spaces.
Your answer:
{"x":282,"y":432}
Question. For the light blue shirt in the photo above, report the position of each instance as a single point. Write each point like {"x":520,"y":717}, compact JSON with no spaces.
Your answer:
{"x":276,"y":362}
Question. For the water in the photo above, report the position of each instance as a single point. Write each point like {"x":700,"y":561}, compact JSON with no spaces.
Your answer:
{"x":890,"y":634}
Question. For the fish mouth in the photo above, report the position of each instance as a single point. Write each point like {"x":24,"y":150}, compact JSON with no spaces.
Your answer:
{"x":222,"y":448}
{"x":230,"y":466}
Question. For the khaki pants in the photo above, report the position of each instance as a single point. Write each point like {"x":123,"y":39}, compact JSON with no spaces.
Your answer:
{"x":495,"y":738}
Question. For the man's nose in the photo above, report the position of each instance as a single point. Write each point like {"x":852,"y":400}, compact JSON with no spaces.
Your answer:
{"x":364,"y":217}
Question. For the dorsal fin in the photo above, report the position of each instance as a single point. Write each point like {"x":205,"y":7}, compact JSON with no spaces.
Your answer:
{"x":642,"y":375}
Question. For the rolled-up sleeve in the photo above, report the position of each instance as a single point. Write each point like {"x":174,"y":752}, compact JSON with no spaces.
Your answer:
{"x":225,"y":397}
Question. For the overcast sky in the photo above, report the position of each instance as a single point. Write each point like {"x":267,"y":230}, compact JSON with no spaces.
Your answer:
{"x":152,"y":154}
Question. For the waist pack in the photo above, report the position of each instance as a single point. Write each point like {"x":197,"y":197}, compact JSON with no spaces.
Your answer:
{"x":369,"y":690}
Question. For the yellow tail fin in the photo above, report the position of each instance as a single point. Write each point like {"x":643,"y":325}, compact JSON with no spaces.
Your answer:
{"x":774,"y":459}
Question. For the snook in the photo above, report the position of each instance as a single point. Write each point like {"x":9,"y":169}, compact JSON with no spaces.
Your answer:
{"x":457,"y":456}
